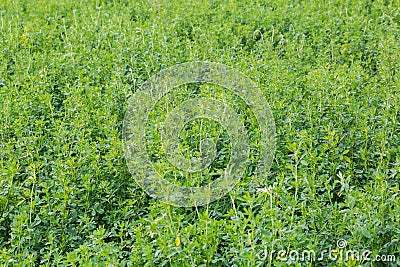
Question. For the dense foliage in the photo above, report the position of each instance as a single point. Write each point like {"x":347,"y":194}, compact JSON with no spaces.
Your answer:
{"x":330,"y":71}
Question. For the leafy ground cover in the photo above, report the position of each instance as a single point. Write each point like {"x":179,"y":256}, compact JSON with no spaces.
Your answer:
{"x":330,"y":71}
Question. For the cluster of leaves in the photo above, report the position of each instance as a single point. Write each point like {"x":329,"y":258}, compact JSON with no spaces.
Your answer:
{"x":198,"y":130}
{"x":330,"y":71}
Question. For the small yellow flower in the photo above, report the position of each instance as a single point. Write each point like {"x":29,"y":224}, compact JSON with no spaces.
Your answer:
{"x":24,"y":39}
{"x":177,"y":241}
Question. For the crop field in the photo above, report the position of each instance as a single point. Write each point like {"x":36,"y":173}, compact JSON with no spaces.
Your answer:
{"x":328,"y":72}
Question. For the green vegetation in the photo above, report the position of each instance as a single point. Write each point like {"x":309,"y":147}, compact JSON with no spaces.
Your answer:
{"x":330,"y":71}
